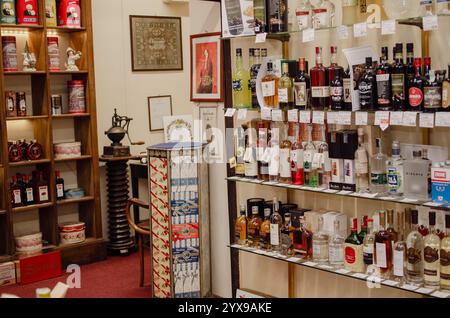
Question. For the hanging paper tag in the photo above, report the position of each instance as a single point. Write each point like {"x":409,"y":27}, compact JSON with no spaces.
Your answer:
{"x":308,"y":35}
{"x":242,"y":114}
{"x":430,"y":23}
{"x":388,"y":27}
{"x":248,"y":155}
{"x":230,"y":112}
{"x":396,"y":118}
{"x":361,"y":118}
{"x":345,"y":118}
{"x":318,"y":117}
{"x":266,"y":155}
{"x":293,"y":116}
{"x":426,"y":120}
{"x":261,"y":37}
{"x":266,"y":113}
{"x":277,"y":115}
{"x":382,"y":119}
{"x":305,"y":116}
{"x":442,"y":119}
{"x":410,"y":119}
{"x":342,"y":32}
{"x":360,"y":29}
{"x":332,"y":117}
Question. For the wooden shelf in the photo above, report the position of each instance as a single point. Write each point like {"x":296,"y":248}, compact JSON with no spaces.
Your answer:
{"x":88,"y":241}
{"x":5,"y":258}
{"x":21,"y":27}
{"x":70,"y":116}
{"x":65,"y":29}
{"x":84,"y":157}
{"x":2,"y":212}
{"x":27,"y":117}
{"x":32,"y":207}
{"x":68,"y":72}
{"x":28,"y":162}
{"x":73,"y":201}
{"x":21,"y":73}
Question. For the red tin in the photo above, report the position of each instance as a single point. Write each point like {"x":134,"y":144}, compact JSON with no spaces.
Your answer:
{"x":9,"y":53}
{"x":69,"y":14}
{"x":77,"y":102}
{"x":27,"y":12}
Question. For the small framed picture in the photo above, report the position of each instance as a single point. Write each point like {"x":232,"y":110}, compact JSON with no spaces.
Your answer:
{"x":209,"y":130}
{"x":206,"y":68}
{"x":158,"y":108}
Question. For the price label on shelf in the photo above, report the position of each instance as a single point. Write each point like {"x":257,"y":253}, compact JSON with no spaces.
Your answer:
{"x":332,"y":117}
{"x":396,"y":118}
{"x":310,"y":264}
{"x":232,"y":162}
{"x":323,"y":266}
{"x":440,"y":294}
{"x":261,"y":37}
{"x":277,"y":115}
{"x":388,"y":27}
{"x":410,"y":119}
{"x":342,"y":271}
{"x":426,"y":120}
{"x":342,"y":31}
{"x":382,"y":119}
{"x":305,"y":116}
{"x":390,"y":282}
{"x":406,"y":200}
{"x":345,"y":118}
{"x":360,"y":29}
{"x":360,"y":275}
{"x":294,"y":259}
{"x":442,"y":119}
{"x":430,"y":23}
{"x":230,"y":112}
{"x":424,"y":290}
{"x":308,"y":35}
{"x":318,"y":117}
{"x":409,"y":287}
{"x":293,"y":116}
{"x":361,"y":118}
{"x":242,"y":114}
{"x":266,"y":113}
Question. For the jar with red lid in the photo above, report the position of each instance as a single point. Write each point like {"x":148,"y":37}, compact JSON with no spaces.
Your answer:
{"x":54,"y":63}
{"x":27,"y":12}
{"x":34,"y":151}
{"x":14,"y":152}
{"x":69,"y":14}
{"x":77,"y":97}
{"x":9,"y":54}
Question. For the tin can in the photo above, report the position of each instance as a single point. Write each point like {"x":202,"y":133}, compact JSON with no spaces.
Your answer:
{"x":10,"y":103}
{"x":56,"y":105}
{"x":21,"y":104}
{"x":9,"y":53}
{"x":69,"y":14}
{"x":54,"y":63}
{"x":77,"y":99}
{"x":50,"y":13}
{"x":27,"y":12}
{"x":43,"y":293}
{"x":8,"y":13}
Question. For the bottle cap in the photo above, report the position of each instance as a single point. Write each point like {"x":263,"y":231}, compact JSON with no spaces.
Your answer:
{"x":360,"y":131}
{"x":417,"y":62}
{"x":239,"y":52}
{"x":399,"y":47}
{"x":287,"y":216}
{"x":427,"y":60}
{"x":432,"y":218}
{"x":385,"y":52}
{"x":269,"y":66}
{"x":251,"y":52}
{"x":318,"y":50}
{"x":333,"y":49}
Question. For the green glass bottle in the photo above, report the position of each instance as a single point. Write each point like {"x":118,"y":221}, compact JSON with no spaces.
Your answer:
{"x":241,"y":77}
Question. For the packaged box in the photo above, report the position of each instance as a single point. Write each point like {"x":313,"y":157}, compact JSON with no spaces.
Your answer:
{"x":337,"y":170}
{"x":7,"y":274}
{"x":334,"y":139}
{"x":349,"y":144}
{"x":237,"y":18}
{"x":440,"y":184}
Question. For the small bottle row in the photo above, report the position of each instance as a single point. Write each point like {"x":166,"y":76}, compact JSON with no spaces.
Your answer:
{"x":21,"y":150}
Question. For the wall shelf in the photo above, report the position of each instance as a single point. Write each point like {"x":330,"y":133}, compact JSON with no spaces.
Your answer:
{"x":73,"y":201}
{"x":29,"y":162}
{"x":32,"y":207}
{"x":65,"y":116}
{"x":27,"y":118}
{"x":84,"y":157}
{"x":21,"y":73}
{"x":65,"y":29}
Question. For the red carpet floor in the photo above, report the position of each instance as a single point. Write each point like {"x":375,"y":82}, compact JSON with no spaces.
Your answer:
{"x":116,"y":277}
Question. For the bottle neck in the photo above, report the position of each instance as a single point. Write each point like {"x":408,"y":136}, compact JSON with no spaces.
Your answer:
{"x":239,"y":62}
{"x":427,"y":69}
{"x":319,"y":62}
{"x":399,"y":58}
{"x":333,"y":59}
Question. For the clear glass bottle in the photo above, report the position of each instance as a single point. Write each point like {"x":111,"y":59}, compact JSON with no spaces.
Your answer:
{"x":250,"y":162}
{"x":353,"y":249}
{"x":399,"y":257}
{"x":276,"y":221}
{"x":287,"y":236}
{"x":321,"y":17}
{"x":253,"y":228}
{"x":260,"y":15}
{"x":395,"y":171}
{"x":241,"y":77}
{"x":240,"y":228}
{"x":286,"y":88}
{"x":368,"y":244}
{"x":336,"y":247}
{"x":269,"y":87}
{"x":414,"y":252}
{"x":416,"y":177}
{"x":324,"y":169}
{"x":239,"y":144}
{"x":264,"y":232}
{"x":309,"y":152}
{"x":378,"y":177}
{"x":432,"y":245}
{"x":263,"y":137}
{"x":274,"y":145}
{"x":278,"y":16}
{"x":285,"y":157}
{"x":444,"y":256}
{"x":320,"y":244}
{"x":303,"y":14}
{"x":383,"y":248}
{"x":361,"y":164}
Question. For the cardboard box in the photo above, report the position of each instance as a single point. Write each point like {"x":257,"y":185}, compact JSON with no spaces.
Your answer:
{"x":40,"y":267}
{"x":7,"y":274}
{"x":440,"y":184}
{"x":337,"y":170}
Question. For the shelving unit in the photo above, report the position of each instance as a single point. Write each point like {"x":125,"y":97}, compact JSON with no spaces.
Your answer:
{"x":43,"y":126}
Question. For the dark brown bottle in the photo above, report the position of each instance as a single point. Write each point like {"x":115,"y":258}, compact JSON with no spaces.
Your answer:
{"x":415,"y":91}
{"x":383,"y":248}
{"x":16,"y":193}
{"x":337,"y":91}
{"x":398,"y":79}
{"x":410,"y":68}
{"x":27,"y":190}
{"x":59,"y":186}
{"x":41,"y":193}
{"x":320,"y":91}
{"x":432,"y":91}
{"x":347,"y":82}
{"x":367,"y":87}
{"x":302,"y":86}
{"x":384,"y":82}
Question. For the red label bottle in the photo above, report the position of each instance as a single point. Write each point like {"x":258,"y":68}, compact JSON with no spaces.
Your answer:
{"x":415,"y":91}
{"x":16,"y":193}
{"x":320,"y":91}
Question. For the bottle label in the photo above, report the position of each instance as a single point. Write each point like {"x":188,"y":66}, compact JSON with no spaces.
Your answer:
{"x":398,"y":86}
{"x":252,"y":234}
{"x":381,"y":255}
{"x":268,"y":88}
{"x":321,"y":18}
{"x":303,"y":19}
{"x":398,"y":263}
{"x":394,"y":180}
{"x":362,"y":162}
{"x":350,"y":255}
{"x":415,"y":96}
{"x":286,"y":239}
{"x":283,"y":95}
{"x":432,"y":97}
{"x":274,"y":163}
{"x":22,"y":105}
{"x":337,"y":93}
{"x":414,"y":256}
{"x":365,"y":93}
{"x":300,"y":94}
{"x":336,"y":254}
{"x":60,"y":190}
{"x":29,"y":193}
{"x":347,"y":91}
{"x":274,"y":234}
{"x":237,"y":233}
{"x":383,"y":89}
{"x":296,"y":159}
{"x":444,"y":257}
{"x":353,"y":257}
{"x":318,"y":160}
{"x":17,"y":197}
{"x":320,"y":250}
{"x":43,"y":193}
{"x":378,"y":178}
{"x":368,"y":254}
{"x":320,"y":91}
{"x":237,"y":85}
{"x":285,"y":163}
{"x":446,"y":94}
{"x":251,"y":169}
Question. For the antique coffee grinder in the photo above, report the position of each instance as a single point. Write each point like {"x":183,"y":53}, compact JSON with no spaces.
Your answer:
{"x":116,"y":157}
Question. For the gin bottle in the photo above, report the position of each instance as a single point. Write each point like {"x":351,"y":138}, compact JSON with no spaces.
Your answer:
{"x":432,"y":244}
{"x":361,"y":164}
{"x":378,"y":177}
{"x":323,"y":158}
{"x":336,"y":247}
{"x":416,"y":177}
{"x":321,"y":17}
{"x":414,"y":252}
{"x":320,"y":244}
{"x":395,"y":171}
{"x":285,"y":157}
{"x":399,"y":257}
{"x":274,"y":145}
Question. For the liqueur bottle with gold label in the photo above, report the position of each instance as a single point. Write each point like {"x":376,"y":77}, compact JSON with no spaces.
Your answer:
{"x":241,"y":227}
{"x":445,"y":256}
{"x":414,"y":252}
{"x":432,"y":244}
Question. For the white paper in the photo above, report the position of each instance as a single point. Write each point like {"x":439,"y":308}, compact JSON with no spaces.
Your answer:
{"x":332,"y":117}
{"x":360,"y":29}
{"x":409,"y":287}
{"x":396,"y":118}
{"x":260,"y":37}
{"x":345,"y":118}
{"x":388,"y":27}
{"x":330,"y":191}
{"x":342,"y":32}
{"x":361,"y":118}
{"x":294,"y":259}
{"x":305,"y":116}
{"x":410,"y":119}
{"x":242,"y":114}
{"x":360,"y":275}
{"x":382,"y":119}
{"x":344,"y":192}
{"x":426,"y":120}
{"x":424,"y":290}
{"x":311,"y":264}
{"x":390,"y":283}
{"x":440,"y":294}
{"x":318,"y":117}
{"x":308,"y":35}
{"x":325,"y":266}
{"x":408,"y":200}
{"x":230,"y":112}
{"x":277,"y":115}
{"x":430,"y":23}
{"x":266,"y":113}
{"x":442,"y":119}
{"x":342,"y":271}
{"x":433,"y":204}
{"x":293,"y":116}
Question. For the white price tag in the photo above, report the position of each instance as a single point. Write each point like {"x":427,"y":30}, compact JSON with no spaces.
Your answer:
{"x":344,"y":192}
{"x":430,"y":23}
{"x":442,"y":119}
{"x":261,"y":37}
{"x":342,"y":32}
{"x":308,"y":35}
{"x":236,"y":246}
{"x":409,"y":287}
{"x":277,"y":115}
{"x":230,"y":112}
{"x":293,"y":116}
{"x":345,"y":118}
{"x":369,"y":195}
{"x":406,"y":200}
{"x":433,"y":204}
{"x":426,"y":120}
{"x":396,"y":118}
{"x":440,"y":294}
{"x":388,"y":27}
{"x":305,"y":116}
{"x":311,"y":264}
{"x":410,"y":119}
{"x":361,"y":118}
{"x":424,"y":290}
{"x":382,"y":119}
{"x":318,"y":117}
{"x":294,"y":259}
{"x":390,"y":282}
{"x":332,"y":117}
{"x":342,"y":271}
{"x":242,"y":114}
{"x":360,"y":275}
{"x":266,"y":113}
{"x":330,"y":191}
{"x":360,"y":29}
{"x":325,"y":267}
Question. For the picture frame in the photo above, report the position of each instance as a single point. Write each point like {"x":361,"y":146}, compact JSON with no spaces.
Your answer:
{"x":158,"y":108}
{"x":206,"y":67}
{"x":208,"y":116}
{"x":156,"y":43}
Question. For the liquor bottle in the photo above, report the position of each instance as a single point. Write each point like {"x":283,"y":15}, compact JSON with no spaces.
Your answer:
{"x":415,"y":88}
{"x":263,"y":166}
{"x":336,"y":247}
{"x":409,"y":67}
{"x":321,"y":15}
{"x":444,"y":256}
{"x":16,"y":193}
{"x":260,"y":16}
{"x":309,"y":152}
{"x":331,"y":8}
{"x":414,"y":248}
{"x":399,"y":254}
{"x":353,"y":249}
{"x":320,"y":91}
{"x":337,"y":91}
{"x":446,"y":92}
{"x":269,"y":87}
{"x":425,"y":157}
{"x":320,"y":244}
{"x":361,"y":164}
{"x":398,"y":79}
{"x":278,"y":16}
{"x":60,"y":195}
{"x":368,"y":244}
{"x":416,"y":177}
{"x":286,"y":89}
{"x":432,"y":245}
{"x":367,"y":87}
{"x":395,"y":171}
{"x":432,"y":91}
{"x":254,"y":69}
{"x":250,"y":162}
{"x":264,"y":232}
{"x":305,"y":248}
{"x":378,"y":176}
{"x":383,"y":248}
{"x":285,"y":157}
{"x":240,"y":228}
{"x":241,"y":93}
{"x":34,"y":150}
{"x":287,"y":237}
{"x":276,"y":222}
{"x":239,"y":136}
{"x":274,"y":145}
{"x":334,"y":67}
{"x":364,"y":228}
{"x":41,"y":193}
{"x":253,"y":228}
{"x":27,"y":191}
{"x":322,"y":161}
{"x":384,"y":82}
{"x":303,"y":14}
{"x":390,"y":225}
{"x":346,"y":80}
{"x":297,"y":171}
{"x":302,"y":86}
{"x":349,"y":12}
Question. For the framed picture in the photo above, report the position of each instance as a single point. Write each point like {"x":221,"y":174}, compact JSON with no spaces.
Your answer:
{"x":156,"y":43}
{"x":206,"y":68}
{"x":208,"y":119}
{"x":158,"y":107}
